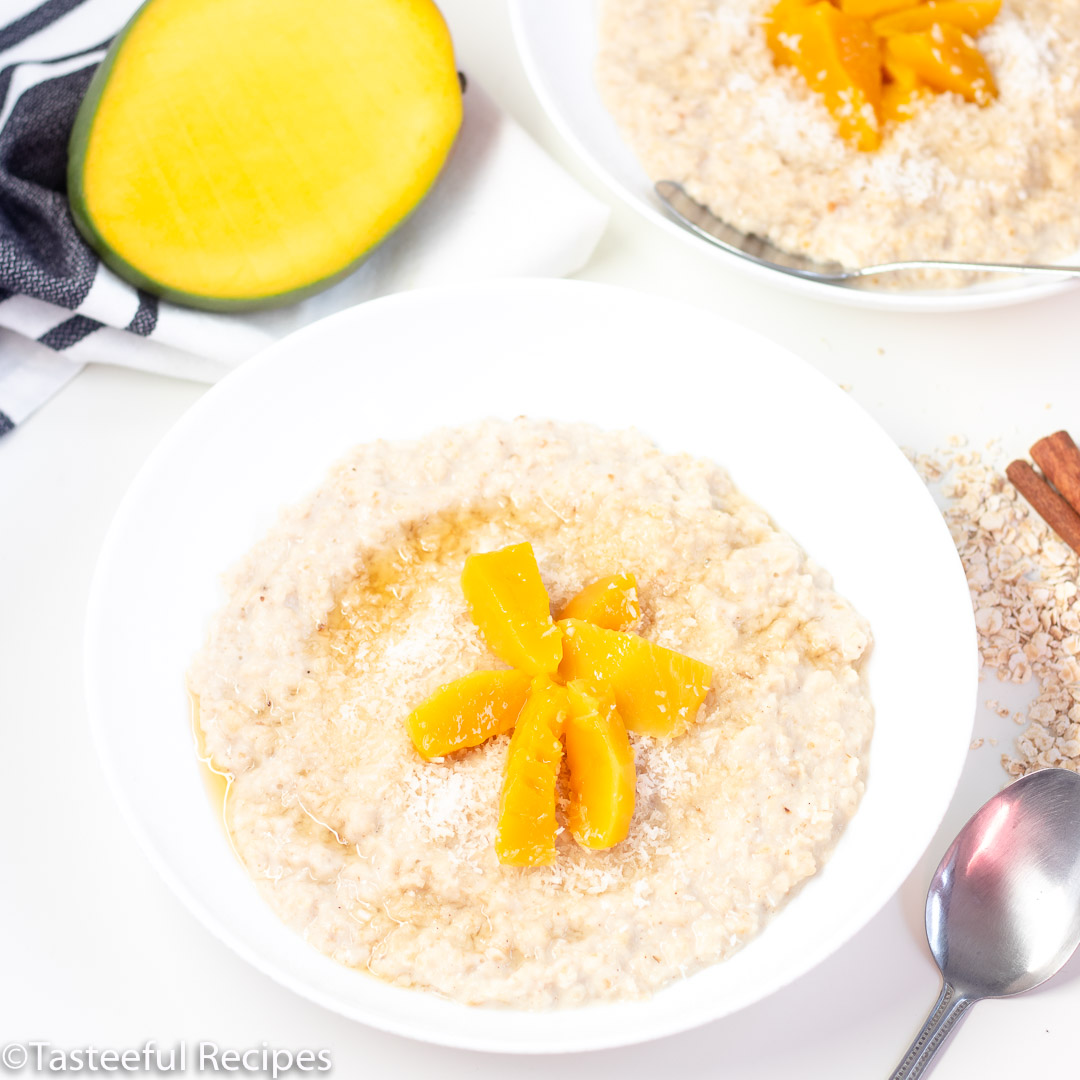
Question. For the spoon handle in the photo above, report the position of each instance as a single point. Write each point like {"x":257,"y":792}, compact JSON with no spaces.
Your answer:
{"x":950,"y":1008}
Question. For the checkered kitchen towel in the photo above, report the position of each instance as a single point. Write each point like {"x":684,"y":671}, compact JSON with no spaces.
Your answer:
{"x":502,"y":208}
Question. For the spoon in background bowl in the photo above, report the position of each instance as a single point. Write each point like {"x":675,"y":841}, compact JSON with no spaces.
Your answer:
{"x":701,"y":221}
{"x":1003,"y":911}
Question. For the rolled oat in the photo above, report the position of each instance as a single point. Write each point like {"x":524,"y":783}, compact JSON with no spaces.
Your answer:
{"x":1023,"y":582}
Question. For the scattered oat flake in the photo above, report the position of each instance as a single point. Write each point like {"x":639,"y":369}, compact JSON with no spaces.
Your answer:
{"x":1023,"y":583}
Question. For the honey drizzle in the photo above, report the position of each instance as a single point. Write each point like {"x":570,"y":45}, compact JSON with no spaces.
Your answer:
{"x":217,"y":781}
{"x":390,"y":576}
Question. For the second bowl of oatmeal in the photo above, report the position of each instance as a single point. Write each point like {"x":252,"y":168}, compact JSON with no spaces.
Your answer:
{"x":688,"y":90}
{"x":342,"y":479}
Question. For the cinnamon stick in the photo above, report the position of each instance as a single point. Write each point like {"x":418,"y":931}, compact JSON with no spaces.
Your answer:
{"x":1058,"y":457}
{"x":1052,"y":508}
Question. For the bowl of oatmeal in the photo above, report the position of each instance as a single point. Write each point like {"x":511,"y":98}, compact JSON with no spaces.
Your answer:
{"x":291,"y":556}
{"x":688,"y":90}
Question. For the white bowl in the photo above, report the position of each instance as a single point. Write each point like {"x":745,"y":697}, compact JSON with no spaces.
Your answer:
{"x":401,"y":366}
{"x":557,"y":40}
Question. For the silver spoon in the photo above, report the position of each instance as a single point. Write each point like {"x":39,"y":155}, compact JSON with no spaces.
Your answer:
{"x":1003,"y":911}
{"x":704,"y":223}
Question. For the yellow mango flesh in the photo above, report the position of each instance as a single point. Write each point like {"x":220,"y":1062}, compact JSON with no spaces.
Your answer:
{"x":591,"y":652}
{"x":898,"y":102}
{"x":872,"y":9}
{"x":509,"y":604}
{"x":900,"y":94}
{"x":244,"y":149}
{"x":468,"y":711}
{"x":527,"y":825}
{"x":777,"y":31}
{"x":600,"y":762}
{"x":902,"y":75}
{"x":971,"y":16}
{"x":946,"y":59}
{"x":838,"y":56}
{"x":610,"y":602}
{"x":657,"y":691}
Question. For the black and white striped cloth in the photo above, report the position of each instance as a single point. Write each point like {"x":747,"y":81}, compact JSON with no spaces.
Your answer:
{"x":502,"y":208}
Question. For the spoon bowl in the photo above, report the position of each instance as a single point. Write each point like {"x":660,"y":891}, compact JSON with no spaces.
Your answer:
{"x":1003,"y":909}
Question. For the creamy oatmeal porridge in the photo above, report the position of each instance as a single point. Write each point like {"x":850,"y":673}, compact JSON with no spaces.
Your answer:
{"x":349,"y":613}
{"x":695,"y":91}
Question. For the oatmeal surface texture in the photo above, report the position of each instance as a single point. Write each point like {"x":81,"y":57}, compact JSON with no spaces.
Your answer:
{"x":350,"y":613}
{"x":694,"y":89}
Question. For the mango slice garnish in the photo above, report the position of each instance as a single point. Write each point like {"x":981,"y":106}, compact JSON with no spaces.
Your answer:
{"x":899,"y":95}
{"x":468,"y":711}
{"x":778,"y":31}
{"x":947,"y":59}
{"x":902,"y":76}
{"x":850,"y":51}
{"x":838,"y":56}
{"x":657,"y":691}
{"x":584,"y":679}
{"x":592,"y":653}
{"x":509,"y":604}
{"x":898,"y":102}
{"x":601,"y":764}
{"x":971,"y":16}
{"x":527,"y":825}
{"x":873,"y":9}
{"x":610,"y":602}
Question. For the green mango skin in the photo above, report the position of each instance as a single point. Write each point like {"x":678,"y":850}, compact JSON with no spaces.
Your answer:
{"x":80,"y":139}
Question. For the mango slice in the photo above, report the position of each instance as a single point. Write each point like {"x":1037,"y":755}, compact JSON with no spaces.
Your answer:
{"x":777,"y":32}
{"x":971,"y":16}
{"x":610,"y":602}
{"x":902,"y":75}
{"x":947,"y":59}
{"x":900,"y":94}
{"x":509,"y":604}
{"x":657,"y":691}
{"x":840,"y":49}
{"x":233,"y":154}
{"x":838,"y":56}
{"x":583,"y":679}
{"x":600,"y":761}
{"x":898,"y":103}
{"x":591,"y":652}
{"x":527,"y":825}
{"x":468,"y":711}
{"x":872,"y":9}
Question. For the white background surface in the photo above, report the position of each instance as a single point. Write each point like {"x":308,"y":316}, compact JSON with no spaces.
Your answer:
{"x":93,"y":948}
